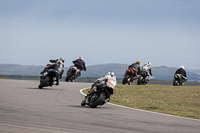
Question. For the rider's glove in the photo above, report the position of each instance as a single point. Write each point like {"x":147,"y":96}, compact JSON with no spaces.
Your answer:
{"x":97,"y":81}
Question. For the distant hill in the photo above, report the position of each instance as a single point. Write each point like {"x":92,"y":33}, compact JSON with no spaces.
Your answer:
{"x":161,"y":72}
{"x":167,"y":73}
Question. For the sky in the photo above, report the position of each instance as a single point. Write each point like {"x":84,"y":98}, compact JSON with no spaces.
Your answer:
{"x":163,"y":32}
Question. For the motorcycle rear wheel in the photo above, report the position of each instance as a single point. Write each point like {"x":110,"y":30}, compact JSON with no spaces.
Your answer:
{"x":139,"y":81}
{"x":69,"y":76}
{"x":97,"y":101}
{"x":44,"y":82}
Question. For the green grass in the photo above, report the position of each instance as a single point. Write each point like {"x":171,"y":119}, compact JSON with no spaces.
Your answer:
{"x":175,"y":100}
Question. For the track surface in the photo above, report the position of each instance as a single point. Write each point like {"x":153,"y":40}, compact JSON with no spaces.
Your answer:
{"x":26,"y":109}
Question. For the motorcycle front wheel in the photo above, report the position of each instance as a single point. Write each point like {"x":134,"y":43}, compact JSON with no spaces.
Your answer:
{"x":125,"y":79}
{"x":176,"y":83}
{"x":83,"y":103}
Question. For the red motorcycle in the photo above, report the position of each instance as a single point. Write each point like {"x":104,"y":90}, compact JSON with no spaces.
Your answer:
{"x":128,"y":76}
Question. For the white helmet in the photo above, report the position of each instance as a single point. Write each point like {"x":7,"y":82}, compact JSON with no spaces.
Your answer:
{"x":62,"y":59}
{"x":111,"y":73}
{"x":182,"y":67}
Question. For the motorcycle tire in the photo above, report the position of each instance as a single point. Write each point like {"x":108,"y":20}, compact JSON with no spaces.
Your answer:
{"x":125,"y":79}
{"x":97,"y":101}
{"x":139,"y":81}
{"x":176,"y":83}
{"x":83,"y":103}
{"x":44,"y":83}
{"x":69,"y":76}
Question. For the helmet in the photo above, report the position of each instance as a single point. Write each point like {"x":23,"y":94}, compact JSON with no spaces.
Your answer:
{"x":81,"y":57}
{"x":59,"y":62}
{"x":182,"y":67}
{"x":62,"y":59}
{"x":111,"y":73}
{"x":137,"y":62}
{"x":149,"y":63}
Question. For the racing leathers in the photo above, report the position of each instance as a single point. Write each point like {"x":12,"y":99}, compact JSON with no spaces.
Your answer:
{"x":80,"y":65}
{"x":147,"y":68}
{"x":107,"y":82}
{"x":53,"y":62}
{"x":58,"y":66}
{"x":136,"y":68}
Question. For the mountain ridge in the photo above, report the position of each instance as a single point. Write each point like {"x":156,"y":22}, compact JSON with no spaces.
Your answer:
{"x":159,"y":72}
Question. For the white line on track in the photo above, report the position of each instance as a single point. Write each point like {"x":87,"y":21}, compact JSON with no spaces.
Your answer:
{"x":81,"y":91}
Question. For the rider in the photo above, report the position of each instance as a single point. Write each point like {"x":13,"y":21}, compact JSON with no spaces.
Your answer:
{"x":58,"y":66}
{"x":80,"y":65}
{"x":181,"y":71}
{"x":136,"y":68}
{"x":108,"y":84}
{"x":147,"y":67}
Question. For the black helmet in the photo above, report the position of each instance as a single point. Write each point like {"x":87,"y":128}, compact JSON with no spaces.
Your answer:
{"x":62,"y":59}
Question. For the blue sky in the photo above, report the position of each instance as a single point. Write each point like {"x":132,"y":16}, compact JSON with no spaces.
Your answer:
{"x":104,"y":31}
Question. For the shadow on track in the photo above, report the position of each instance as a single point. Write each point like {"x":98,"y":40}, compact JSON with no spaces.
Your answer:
{"x":79,"y":106}
{"x":43,"y":88}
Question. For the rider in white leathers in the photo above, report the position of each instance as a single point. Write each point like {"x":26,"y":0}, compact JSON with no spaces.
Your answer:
{"x":110,"y":80}
{"x":147,"y":67}
{"x":109,"y":84}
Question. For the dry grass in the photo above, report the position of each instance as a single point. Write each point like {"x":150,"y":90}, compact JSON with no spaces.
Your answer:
{"x":175,"y":100}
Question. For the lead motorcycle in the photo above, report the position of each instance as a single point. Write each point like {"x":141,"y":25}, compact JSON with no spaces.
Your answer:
{"x":72,"y":74}
{"x":48,"y":78}
{"x":96,"y":96}
{"x":142,"y":79}
{"x":127,"y":77}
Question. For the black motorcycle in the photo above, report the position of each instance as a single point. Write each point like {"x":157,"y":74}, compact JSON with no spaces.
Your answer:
{"x":177,"y":80}
{"x":127,"y":77}
{"x":142,"y":79}
{"x":72,"y":74}
{"x":96,"y":96}
{"x":48,"y":78}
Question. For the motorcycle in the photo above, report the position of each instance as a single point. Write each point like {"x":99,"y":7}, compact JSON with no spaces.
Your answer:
{"x":72,"y":74}
{"x":96,"y":96}
{"x":48,"y":78}
{"x":177,"y":80}
{"x":127,"y":77}
{"x":142,"y":79}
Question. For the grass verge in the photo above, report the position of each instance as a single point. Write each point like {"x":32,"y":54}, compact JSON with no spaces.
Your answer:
{"x":175,"y":100}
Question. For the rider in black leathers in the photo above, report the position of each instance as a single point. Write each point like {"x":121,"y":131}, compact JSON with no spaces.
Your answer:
{"x":136,"y":68}
{"x":58,"y":66}
{"x":80,"y":65}
{"x":182,"y":72}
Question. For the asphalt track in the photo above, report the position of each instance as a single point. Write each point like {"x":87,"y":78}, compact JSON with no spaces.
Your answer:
{"x":26,"y":109}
